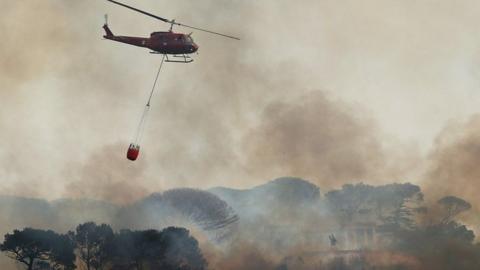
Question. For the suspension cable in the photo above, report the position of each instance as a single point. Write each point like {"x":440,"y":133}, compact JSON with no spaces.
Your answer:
{"x":141,"y":125}
{"x":155,"y":82}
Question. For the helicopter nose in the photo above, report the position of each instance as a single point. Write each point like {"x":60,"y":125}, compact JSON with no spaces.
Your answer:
{"x":194,"y":47}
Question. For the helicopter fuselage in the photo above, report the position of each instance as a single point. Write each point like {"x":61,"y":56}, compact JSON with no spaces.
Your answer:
{"x":159,"y":42}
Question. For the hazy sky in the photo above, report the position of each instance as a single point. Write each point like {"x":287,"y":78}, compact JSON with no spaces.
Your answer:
{"x":333,"y":91}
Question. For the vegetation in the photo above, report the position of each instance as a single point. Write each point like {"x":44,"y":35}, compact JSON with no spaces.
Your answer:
{"x":378,"y":227}
{"x":33,"y":248}
{"x":98,"y":247}
{"x":394,"y":205}
{"x":453,"y":206}
{"x":438,"y":242}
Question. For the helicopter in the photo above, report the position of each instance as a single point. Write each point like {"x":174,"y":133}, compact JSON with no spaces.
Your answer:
{"x":178,"y":45}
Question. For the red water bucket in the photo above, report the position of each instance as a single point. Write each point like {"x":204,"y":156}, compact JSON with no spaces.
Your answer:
{"x":133,"y":151}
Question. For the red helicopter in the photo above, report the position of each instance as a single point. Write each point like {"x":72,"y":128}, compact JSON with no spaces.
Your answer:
{"x":178,"y":45}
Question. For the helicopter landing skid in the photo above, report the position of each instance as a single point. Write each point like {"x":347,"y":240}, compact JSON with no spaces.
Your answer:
{"x":182,"y":58}
{"x":176,"y":58}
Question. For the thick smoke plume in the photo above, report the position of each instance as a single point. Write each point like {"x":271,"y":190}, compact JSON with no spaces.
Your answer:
{"x":454,"y":164}
{"x":317,"y":138}
{"x":106,"y":176}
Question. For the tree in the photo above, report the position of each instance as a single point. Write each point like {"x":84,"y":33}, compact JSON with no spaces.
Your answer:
{"x":350,"y":200}
{"x":63,"y":252}
{"x":123,"y":254}
{"x":388,"y":199}
{"x":394,"y":205}
{"x":92,"y":241}
{"x":180,"y":251}
{"x":439,"y":246}
{"x":397,"y":204}
{"x":32,"y":247}
{"x":169,"y":249}
{"x":453,"y":206}
{"x":136,"y":249}
{"x":100,"y":248}
{"x":202,"y":208}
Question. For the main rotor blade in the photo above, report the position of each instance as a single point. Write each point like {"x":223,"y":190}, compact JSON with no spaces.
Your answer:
{"x":205,"y":30}
{"x":169,"y":21}
{"x":141,"y":11}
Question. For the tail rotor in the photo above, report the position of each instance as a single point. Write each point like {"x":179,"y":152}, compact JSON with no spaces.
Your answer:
{"x":108,"y":32}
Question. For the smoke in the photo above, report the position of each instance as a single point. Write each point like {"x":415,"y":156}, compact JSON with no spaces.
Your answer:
{"x":240,"y":255}
{"x":68,"y":94}
{"x":53,"y":111}
{"x":106,"y":176}
{"x":317,"y":138}
{"x":72,"y":103}
{"x":454,"y":159}
{"x":453,"y":168}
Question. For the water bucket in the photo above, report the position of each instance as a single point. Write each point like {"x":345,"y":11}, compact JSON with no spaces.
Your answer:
{"x":133,"y":151}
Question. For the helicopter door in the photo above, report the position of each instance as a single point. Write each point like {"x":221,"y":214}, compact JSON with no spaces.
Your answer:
{"x":162,"y":40}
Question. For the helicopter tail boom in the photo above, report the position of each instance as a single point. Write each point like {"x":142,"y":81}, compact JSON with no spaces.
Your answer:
{"x":135,"y":41}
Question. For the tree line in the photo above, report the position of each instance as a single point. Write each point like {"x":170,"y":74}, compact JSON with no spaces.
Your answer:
{"x":396,"y":206}
{"x":98,"y":247}
{"x":431,"y":232}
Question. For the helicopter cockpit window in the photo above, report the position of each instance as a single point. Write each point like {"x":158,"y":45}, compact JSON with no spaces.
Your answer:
{"x":188,"y":39}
